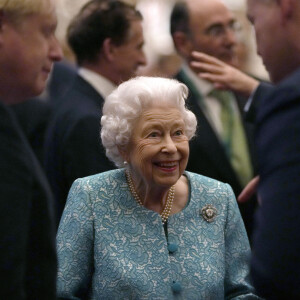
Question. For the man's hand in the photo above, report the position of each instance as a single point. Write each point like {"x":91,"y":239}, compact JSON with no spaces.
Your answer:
{"x":222,"y":75}
{"x":249,"y":190}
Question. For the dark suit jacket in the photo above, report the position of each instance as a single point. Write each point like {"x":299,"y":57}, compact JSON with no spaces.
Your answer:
{"x":255,"y":99}
{"x":208,"y":156}
{"x":73,"y":146}
{"x":62,"y":76}
{"x":276,"y":254}
{"x":27,"y":233}
{"x":33,"y":116}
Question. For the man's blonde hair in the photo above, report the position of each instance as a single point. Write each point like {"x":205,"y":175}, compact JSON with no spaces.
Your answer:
{"x":16,"y":10}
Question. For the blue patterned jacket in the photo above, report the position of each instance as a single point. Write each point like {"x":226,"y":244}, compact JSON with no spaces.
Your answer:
{"x":110,"y":247}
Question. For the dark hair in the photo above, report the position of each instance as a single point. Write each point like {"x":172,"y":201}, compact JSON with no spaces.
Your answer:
{"x":96,"y":21}
{"x":179,"y":20}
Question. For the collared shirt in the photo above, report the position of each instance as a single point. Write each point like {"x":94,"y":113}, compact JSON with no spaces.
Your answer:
{"x":211,"y":106}
{"x":249,"y":101}
{"x":101,"y":84}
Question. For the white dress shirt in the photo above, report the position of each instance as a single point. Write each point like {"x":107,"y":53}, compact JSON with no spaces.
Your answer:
{"x":211,"y":106}
{"x":100,"y":83}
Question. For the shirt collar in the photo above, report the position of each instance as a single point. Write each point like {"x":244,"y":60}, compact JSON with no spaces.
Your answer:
{"x":203,"y":86}
{"x":100,"y":83}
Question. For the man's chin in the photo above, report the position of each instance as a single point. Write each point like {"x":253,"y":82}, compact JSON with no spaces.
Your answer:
{"x":38,"y":89}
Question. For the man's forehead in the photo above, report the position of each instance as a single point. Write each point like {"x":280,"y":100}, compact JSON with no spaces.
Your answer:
{"x":203,"y":6}
{"x":135,"y":31}
{"x":211,"y":14}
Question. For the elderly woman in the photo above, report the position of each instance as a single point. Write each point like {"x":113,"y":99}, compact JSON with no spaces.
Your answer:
{"x":151,"y":230}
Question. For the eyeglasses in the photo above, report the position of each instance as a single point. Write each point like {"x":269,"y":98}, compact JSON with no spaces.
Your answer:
{"x":220,"y":30}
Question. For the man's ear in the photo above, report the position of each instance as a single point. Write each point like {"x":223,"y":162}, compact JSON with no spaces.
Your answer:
{"x":182,"y":43}
{"x":109,"y":49}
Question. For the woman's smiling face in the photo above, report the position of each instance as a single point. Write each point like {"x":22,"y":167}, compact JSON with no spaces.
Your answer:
{"x":158,"y":150}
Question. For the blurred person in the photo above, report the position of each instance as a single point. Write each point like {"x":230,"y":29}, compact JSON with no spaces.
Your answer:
{"x":33,"y":117}
{"x":227,"y":77}
{"x":28,"y":49}
{"x":62,"y":76}
{"x":107,"y":40}
{"x":150,"y":229}
{"x":223,"y":148}
{"x":35,"y":114}
{"x":276,"y":244}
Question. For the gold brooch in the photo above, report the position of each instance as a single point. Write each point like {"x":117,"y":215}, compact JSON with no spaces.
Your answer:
{"x":209,"y":212}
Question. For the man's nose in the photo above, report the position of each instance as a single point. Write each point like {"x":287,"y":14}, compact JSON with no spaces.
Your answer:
{"x":56,"y":53}
{"x":230,"y":36}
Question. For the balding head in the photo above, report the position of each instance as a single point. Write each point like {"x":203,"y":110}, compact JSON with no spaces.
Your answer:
{"x":205,"y":26}
{"x":204,"y":7}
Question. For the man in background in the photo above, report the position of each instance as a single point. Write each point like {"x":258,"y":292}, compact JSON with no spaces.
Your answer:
{"x":223,"y":147}
{"x":107,"y":40}
{"x":28,"y":49}
{"x":276,"y":244}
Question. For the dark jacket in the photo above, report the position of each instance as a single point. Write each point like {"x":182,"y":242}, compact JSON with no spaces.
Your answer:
{"x":73,"y":146}
{"x":276,"y":244}
{"x":27,"y":237}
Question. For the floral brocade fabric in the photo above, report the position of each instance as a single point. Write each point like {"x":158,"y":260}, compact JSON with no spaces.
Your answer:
{"x":110,"y":247}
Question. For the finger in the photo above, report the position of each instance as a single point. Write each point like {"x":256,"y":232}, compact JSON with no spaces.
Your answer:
{"x":214,"y":78}
{"x":200,"y":66}
{"x":220,"y":86}
{"x":249,"y":190}
{"x":207,"y":58}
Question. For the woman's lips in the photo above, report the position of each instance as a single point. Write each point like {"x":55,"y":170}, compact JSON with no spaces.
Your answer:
{"x":167,"y":166}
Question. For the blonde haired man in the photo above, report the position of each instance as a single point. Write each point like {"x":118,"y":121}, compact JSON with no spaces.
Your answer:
{"x":28,"y":49}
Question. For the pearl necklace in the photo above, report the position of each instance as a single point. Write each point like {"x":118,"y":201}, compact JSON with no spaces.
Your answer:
{"x":170,"y":199}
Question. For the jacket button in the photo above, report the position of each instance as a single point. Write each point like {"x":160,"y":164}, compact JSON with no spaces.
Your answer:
{"x":172,"y":247}
{"x":176,"y":287}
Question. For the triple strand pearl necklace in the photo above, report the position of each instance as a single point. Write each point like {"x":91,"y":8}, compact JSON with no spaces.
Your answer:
{"x":170,"y":199}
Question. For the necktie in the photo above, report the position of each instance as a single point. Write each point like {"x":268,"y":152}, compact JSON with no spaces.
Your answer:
{"x":233,"y":136}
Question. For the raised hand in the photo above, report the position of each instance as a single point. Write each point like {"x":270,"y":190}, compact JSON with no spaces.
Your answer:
{"x":249,"y":190}
{"x":222,"y":75}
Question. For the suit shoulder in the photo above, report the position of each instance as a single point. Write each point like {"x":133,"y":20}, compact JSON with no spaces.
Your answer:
{"x":75,"y":107}
{"x":80,"y":103}
{"x":80,"y":96}
{"x":283,"y":97}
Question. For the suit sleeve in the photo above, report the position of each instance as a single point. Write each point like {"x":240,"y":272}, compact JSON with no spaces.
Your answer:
{"x":75,"y":245}
{"x":237,"y":256}
{"x":15,"y":187}
{"x":255,"y":100}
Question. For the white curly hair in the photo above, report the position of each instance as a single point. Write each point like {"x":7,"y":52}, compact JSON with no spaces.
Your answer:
{"x":125,"y":104}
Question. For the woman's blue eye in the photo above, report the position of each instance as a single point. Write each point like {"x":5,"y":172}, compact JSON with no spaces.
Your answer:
{"x":153,"y":134}
{"x":178,"y":132}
